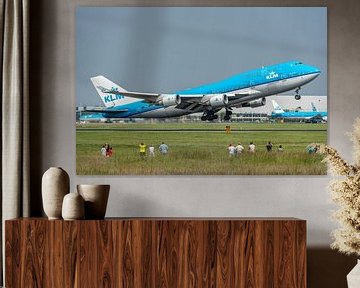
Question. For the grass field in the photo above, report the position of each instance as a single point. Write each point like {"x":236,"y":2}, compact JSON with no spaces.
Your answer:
{"x":199,"y":149}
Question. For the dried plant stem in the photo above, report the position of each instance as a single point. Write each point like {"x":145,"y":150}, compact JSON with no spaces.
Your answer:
{"x":345,"y":191}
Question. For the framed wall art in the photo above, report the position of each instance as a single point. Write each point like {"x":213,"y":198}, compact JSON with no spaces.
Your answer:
{"x":201,"y":90}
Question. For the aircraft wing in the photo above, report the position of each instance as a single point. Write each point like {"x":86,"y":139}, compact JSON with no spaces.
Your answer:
{"x":152,"y":97}
{"x":185,"y":98}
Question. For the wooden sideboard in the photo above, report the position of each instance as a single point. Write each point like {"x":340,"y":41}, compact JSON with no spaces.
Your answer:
{"x":156,"y":252}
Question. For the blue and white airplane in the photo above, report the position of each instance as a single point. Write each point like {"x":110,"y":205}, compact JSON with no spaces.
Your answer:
{"x":247,"y":89}
{"x":308,"y":116}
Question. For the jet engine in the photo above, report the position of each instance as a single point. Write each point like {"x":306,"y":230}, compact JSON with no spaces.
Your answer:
{"x":168,"y":100}
{"x":258,"y":103}
{"x":255,"y":103}
{"x":218,"y":100}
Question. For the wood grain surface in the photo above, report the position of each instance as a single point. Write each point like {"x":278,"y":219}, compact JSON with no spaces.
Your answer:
{"x":161,"y":252}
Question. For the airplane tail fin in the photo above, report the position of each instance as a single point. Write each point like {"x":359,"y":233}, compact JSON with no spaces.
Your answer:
{"x":314,"y":109}
{"x":104,"y":87}
{"x":277,"y":107}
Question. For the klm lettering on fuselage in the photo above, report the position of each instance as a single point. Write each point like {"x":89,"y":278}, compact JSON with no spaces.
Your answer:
{"x":112,"y":97}
{"x":272,"y":75}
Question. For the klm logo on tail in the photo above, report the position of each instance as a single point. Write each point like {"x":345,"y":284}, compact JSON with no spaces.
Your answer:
{"x":111,"y":97}
{"x":111,"y":93}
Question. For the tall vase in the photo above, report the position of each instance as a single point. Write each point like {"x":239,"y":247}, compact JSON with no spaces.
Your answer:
{"x":55,"y":185}
{"x":353,"y":278}
{"x":95,"y":197}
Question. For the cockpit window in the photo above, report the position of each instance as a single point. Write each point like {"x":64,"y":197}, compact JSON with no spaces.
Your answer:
{"x":298,"y":63}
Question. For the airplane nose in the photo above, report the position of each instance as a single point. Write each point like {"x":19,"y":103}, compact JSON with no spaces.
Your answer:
{"x":314,"y":75}
{"x":314,"y":71}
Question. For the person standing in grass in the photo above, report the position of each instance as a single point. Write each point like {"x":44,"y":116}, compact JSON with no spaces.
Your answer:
{"x":252,"y":147}
{"x":232,"y":150}
{"x":109,"y":151}
{"x":103,"y":151}
{"x":280,"y":149}
{"x":142,"y":150}
{"x":269,"y":146}
{"x":239,"y":149}
{"x":151,"y":151}
{"x":107,"y":154}
{"x":163,"y":148}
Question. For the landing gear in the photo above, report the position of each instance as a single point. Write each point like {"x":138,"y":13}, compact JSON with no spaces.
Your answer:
{"x":297,"y":95}
{"x":209,"y":115}
{"x":214,"y":117}
{"x":227,"y":116}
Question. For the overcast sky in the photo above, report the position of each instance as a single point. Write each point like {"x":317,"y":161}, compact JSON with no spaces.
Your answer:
{"x":168,"y":49}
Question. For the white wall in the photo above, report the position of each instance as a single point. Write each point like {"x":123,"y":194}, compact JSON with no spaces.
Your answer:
{"x":53,"y":130}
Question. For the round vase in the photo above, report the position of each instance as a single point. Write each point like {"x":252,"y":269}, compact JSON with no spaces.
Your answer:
{"x":73,"y":207}
{"x":96,"y":198}
{"x":55,"y":185}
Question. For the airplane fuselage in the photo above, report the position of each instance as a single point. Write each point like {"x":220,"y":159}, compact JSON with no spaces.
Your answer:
{"x":299,"y":115}
{"x":266,"y":81}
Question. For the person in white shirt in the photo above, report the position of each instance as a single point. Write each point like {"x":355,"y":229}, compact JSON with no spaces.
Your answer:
{"x":232,"y":150}
{"x":252,"y":147}
{"x":239,"y":149}
{"x":103,"y":150}
{"x":151,"y":151}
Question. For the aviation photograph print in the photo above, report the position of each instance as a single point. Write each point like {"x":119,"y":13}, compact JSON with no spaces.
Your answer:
{"x":201,"y":90}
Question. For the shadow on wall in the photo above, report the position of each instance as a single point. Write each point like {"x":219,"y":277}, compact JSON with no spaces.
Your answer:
{"x":328,"y":268}
{"x":36,"y":72}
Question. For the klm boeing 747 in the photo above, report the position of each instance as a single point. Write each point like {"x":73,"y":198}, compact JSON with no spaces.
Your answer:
{"x":248,"y":89}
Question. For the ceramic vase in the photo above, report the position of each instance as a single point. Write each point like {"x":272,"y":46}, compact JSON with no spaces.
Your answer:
{"x":55,"y":185}
{"x":96,"y":198}
{"x":73,"y":207}
{"x":353,"y":278}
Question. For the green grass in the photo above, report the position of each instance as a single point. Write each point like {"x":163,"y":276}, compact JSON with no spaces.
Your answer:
{"x":205,"y":125}
{"x":199,"y":152}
